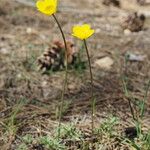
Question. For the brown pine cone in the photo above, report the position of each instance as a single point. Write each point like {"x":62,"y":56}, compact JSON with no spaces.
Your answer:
{"x":54,"y":58}
{"x":141,"y":2}
{"x":133,"y":22}
{"x":111,"y":2}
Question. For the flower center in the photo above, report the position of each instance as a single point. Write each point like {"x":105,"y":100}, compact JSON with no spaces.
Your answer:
{"x":47,"y":8}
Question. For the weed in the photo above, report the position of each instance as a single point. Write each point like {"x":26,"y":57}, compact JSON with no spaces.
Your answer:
{"x":142,"y":140}
{"x":51,"y":143}
{"x":22,"y":146}
{"x":28,"y":139}
{"x":141,"y":143}
{"x":79,"y":66}
{"x":30,"y":61}
{"x":107,"y":127}
{"x":11,"y":122}
{"x":64,"y":109}
{"x":142,"y":106}
{"x":70,"y":132}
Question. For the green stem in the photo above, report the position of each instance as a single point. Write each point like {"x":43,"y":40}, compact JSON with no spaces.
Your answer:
{"x":92,"y":96}
{"x":128,"y":97}
{"x":144,"y":100}
{"x":66,"y":74}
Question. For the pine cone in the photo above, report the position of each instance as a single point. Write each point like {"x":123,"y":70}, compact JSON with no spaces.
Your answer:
{"x":133,"y":22}
{"x":54,"y":58}
{"x":141,"y":2}
{"x":111,"y":2}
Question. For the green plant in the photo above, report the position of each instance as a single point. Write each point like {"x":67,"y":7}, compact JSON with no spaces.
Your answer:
{"x":141,"y":103}
{"x":142,"y":106}
{"x":30,"y":61}
{"x":141,"y":143}
{"x":79,"y":64}
{"x":25,"y":141}
{"x":107,"y":127}
{"x":146,"y":140}
{"x":10,"y":124}
{"x":127,"y":94}
{"x":22,"y":146}
{"x":51,"y":143}
{"x":70,"y":132}
{"x":28,"y":138}
{"x":64,"y":109}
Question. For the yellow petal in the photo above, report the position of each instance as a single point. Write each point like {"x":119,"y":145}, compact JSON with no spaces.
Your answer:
{"x":76,"y":29}
{"x":82,"y":32}
{"x":90,"y":33}
{"x":50,"y":2}
{"x":47,"y":7}
{"x":86,"y":27}
{"x":40,"y":4}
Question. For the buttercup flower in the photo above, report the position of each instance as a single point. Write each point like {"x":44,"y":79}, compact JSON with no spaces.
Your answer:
{"x":82,"y":31}
{"x":47,"y":7}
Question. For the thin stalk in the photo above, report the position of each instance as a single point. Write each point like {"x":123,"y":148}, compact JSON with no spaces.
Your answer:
{"x":125,"y":83}
{"x":128,"y":98}
{"x":92,"y":95}
{"x":66,"y":74}
{"x":144,"y":100}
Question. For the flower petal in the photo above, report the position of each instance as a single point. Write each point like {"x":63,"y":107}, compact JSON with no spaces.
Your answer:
{"x":86,"y":27}
{"x":82,"y":32}
{"x":47,"y":7}
{"x":40,"y":4}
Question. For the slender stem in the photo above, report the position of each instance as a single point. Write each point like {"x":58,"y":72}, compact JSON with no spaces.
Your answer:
{"x":66,"y":74}
{"x":128,"y":97}
{"x":131,"y":109}
{"x":92,"y":96}
{"x":144,"y":100}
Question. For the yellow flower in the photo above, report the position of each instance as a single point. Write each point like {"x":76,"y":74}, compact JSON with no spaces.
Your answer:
{"x":47,"y":7}
{"x":82,"y":32}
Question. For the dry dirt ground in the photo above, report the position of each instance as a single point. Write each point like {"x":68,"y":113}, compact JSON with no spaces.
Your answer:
{"x":29,"y":100}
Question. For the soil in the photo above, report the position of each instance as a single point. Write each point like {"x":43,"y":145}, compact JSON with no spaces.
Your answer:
{"x":25,"y":33}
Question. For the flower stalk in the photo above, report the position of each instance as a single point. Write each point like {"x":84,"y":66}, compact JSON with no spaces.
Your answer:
{"x":83,"y":32}
{"x":49,"y":7}
{"x":66,"y":74}
{"x":92,"y":95}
